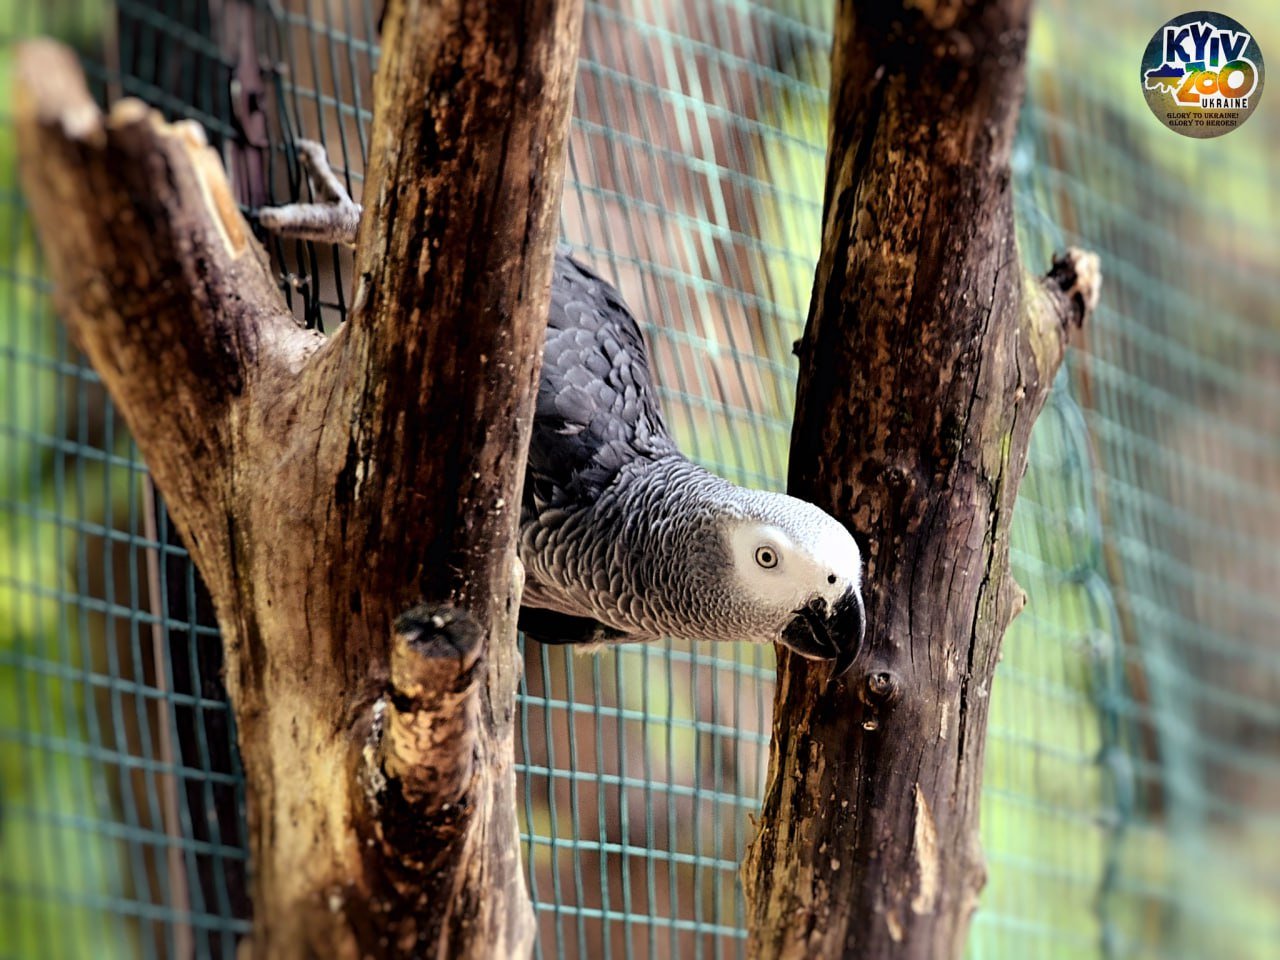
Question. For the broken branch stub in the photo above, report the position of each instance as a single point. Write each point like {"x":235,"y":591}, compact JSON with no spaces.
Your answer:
{"x":432,"y":713}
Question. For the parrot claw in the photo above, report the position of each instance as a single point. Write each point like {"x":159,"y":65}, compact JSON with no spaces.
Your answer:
{"x":333,"y":218}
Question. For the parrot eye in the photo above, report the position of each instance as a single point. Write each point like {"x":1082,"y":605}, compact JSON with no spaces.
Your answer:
{"x":767,"y":557}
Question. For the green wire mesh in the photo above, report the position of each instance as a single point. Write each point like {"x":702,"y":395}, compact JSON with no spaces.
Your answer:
{"x":1132,"y":793}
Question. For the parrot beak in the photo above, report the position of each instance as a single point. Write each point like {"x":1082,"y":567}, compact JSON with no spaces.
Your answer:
{"x":849,"y":627}
{"x":817,"y":633}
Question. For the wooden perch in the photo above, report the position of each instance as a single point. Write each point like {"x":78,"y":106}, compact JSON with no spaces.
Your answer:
{"x":928,"y":355}
{"x":324,"y":487}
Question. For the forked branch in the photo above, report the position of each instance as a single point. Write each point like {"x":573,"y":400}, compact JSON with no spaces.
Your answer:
{"x":325,"y":487}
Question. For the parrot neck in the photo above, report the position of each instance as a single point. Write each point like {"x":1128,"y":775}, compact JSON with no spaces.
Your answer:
{"x":648,"y":557}
{"x":664,"y":529}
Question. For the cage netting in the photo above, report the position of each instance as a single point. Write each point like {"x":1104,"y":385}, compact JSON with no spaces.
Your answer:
{"x":1132,"y":785}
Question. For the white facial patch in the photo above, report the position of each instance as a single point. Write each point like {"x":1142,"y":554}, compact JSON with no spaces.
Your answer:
{"x":805,"y":552}
{"x":835,"y":549}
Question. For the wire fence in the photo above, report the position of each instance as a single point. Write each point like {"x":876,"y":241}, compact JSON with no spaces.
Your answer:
{"x":1132,"y":786}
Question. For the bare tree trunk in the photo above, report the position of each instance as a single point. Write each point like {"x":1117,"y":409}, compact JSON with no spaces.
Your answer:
{"x":927,"y":357}
{"x":350,"y":502}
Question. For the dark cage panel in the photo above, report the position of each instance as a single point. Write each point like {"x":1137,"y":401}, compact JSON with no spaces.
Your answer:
{"x":1133,"y":769}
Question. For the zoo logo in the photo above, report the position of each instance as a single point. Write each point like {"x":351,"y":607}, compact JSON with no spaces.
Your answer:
{"x":1202,"y":74}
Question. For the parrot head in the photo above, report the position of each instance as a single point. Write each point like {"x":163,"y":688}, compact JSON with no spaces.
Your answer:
{"x":802,"y":572}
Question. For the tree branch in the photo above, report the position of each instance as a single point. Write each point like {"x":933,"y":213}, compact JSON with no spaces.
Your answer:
{"x":157,"y":273}
{"x":324,"y":487}
{"x":928,"y":358}
{"x":477,"y":167}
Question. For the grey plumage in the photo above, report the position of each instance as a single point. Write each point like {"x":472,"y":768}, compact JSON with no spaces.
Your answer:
{"x":623,"y":538}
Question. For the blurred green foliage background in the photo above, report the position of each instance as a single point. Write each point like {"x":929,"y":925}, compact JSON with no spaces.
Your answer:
{"x":1131,"y":806}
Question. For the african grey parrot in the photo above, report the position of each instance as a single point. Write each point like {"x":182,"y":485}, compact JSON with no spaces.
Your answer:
{"x":621,"y":536}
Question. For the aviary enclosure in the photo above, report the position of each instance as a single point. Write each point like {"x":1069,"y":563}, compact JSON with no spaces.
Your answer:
{"x":1129,"y":783}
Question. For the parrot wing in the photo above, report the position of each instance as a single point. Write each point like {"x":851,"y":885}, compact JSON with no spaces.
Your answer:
{"x":597,"y":407}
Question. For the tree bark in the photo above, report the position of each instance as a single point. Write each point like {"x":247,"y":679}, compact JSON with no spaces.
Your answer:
{"x":326,"y":487}
{"x":927,"y":357}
